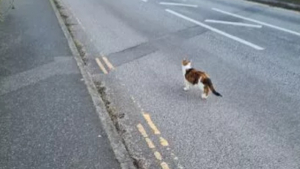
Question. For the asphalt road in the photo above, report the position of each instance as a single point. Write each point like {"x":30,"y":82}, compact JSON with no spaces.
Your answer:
{"x":47,"y":117}
{"x":254,"y":66}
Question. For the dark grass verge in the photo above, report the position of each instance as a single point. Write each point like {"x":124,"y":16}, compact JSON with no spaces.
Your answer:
{"x":69,"y":25}
{"x":291,"y":5}
{"x":5,"y":8}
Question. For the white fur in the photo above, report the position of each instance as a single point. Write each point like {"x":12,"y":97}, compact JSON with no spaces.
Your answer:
{"x":186,"y":83}
{"x":186,"y":67}
{"x":201,"y":85}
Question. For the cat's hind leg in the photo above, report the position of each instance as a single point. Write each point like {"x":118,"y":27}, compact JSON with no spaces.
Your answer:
{"x":205,"y":92}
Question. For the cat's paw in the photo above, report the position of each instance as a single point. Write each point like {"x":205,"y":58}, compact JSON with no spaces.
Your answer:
{"x":185,"y":88}
{"x":204,"y":96}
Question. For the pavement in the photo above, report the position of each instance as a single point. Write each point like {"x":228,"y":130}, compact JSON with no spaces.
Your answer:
{"x":251,"y":52}
{"x":47,"y":116}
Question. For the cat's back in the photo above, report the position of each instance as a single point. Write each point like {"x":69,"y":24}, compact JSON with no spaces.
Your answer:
{"x":194,"y":76}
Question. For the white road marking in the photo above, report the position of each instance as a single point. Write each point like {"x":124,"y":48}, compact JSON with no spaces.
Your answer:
{"x":216,"y":30}
{"x":233,"y":23}
{"x":144,"y":0}
{"x":178,"y":4}
{"x":80,"y":23}
{"x":256,"y":21}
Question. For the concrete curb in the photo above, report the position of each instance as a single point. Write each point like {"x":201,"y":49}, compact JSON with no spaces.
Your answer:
{"x":117,"y":145}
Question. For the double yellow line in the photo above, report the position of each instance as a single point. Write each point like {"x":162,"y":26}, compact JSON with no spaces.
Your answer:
{"x":150,"y":143}
{"x":107,"y":63}
{"x":163,"y":141}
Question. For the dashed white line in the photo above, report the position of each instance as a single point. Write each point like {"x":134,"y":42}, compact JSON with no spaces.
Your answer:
{"x":215,"y":30}
{"x":256,"y":21}
{"x":233,"y":23}
{"x":178,"y":4}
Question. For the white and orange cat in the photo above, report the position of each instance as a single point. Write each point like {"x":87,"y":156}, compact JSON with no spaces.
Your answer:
{"x":194,"y":77}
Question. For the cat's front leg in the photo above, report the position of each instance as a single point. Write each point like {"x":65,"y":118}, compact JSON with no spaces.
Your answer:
{"x":187,"y":85}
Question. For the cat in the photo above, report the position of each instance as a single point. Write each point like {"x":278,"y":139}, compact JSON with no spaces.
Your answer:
{"x":194,"y":77}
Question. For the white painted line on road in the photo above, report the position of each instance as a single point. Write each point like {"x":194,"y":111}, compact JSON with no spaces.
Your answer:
{"x":80,"y":23}
{"x":233,"y":23}
{"x":256,"y":21}
{"x":216,"y":30}
{"x":101,"y":66}
{"x":178,"y":4}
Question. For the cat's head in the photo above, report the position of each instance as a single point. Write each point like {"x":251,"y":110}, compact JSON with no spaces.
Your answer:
{"x":186,"y":63}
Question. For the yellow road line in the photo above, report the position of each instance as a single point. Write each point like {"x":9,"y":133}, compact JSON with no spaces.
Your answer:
{"x":101,"y":66}
{"x":164,"y":165}
{"x":150,"y":143}
{"x":163,"y":142}
{"x":107,"y":62}
{"x":142,"y":130}
{"x":151,"y":124}
{"x":145,"y":135}
{"x":157,"y":155}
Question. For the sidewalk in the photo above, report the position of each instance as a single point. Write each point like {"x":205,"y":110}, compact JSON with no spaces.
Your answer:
{"x":47,"y":118}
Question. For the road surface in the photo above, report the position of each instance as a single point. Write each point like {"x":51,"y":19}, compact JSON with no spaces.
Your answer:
{"x":251,"y":52}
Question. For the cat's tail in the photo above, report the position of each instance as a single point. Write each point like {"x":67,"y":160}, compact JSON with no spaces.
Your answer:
{"x":211,"y":87}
